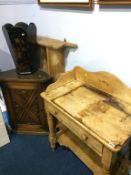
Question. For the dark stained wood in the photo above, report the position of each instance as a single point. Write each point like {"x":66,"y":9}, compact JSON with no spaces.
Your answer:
{"x":88,"y":5}
{"x":114,"y":2}
{"x":21,"y":40}
{"x":24,"y":104}
{"x":11,"y":75}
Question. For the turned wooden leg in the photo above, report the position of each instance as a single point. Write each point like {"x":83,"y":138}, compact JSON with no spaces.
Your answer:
{"x":52,"y":135}
{"x":128,"y":159}
{"x":129,"y":152}
{"x":105,"y":171}
{"x":106,"y":161}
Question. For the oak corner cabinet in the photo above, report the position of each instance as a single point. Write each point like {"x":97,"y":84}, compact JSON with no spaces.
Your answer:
{"x":24,"y":104}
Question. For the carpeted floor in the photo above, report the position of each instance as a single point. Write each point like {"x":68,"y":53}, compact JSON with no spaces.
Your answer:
{"x":32,"y":155}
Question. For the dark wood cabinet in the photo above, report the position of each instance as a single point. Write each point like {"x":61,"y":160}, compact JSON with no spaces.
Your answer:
{"x":24,"y":104}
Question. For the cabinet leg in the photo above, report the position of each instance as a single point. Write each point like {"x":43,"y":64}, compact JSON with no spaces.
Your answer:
{"x":107,"y":159}
{"x":52,"y":135}
{"x":129,"y":159}
{"x":105,"y":171}
{"x":129,"y":152}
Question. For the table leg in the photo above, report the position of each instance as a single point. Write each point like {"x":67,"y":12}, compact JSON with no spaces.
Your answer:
{"x":105,"y":171}
{"x":129,"y":151}
{"x":106,"y":161}
{"x":52,"y":135}
{"x":129,"y":159}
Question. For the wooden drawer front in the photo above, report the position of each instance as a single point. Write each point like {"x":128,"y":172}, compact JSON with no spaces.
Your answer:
{"x":3,"y":131}
{"x":95,"y":145}
{"x":21,"y":85}
{"x":76,"y":129}
{"x":24,"y":103}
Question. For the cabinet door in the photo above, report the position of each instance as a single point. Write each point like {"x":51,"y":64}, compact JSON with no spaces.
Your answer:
{"x":25,"y":105}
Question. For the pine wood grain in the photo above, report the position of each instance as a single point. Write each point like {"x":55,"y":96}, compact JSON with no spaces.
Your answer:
{"x":95,"y":107}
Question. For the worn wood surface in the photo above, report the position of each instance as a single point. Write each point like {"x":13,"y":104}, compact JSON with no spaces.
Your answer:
{"x":53,"y":55}
{"x":12,"y":76}
{"x":96,"y":108}
{"x":54,"y":43}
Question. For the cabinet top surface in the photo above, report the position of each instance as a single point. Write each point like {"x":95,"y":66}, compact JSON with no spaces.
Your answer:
{"x":53,"y":43}
{"x":100,"y":102}
{"x":11,"y":75}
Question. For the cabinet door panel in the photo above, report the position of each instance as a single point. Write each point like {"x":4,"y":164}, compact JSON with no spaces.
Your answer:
{"x":26,"y":105}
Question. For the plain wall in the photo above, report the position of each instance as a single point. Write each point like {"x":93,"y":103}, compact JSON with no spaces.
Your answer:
{"x":103,"y":35}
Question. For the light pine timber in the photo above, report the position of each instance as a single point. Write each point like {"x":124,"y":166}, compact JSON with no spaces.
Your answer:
{"x":53,"y":55}
{"x":95,"y":107}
